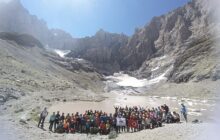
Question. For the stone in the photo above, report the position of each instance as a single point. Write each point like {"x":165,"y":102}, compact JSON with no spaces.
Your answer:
{"x":22,"y":121}
{"x":112,"y":135}
{"x":19,"y":110}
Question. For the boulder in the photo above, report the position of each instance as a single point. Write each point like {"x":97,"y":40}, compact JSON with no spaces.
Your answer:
{"x":112,"y":135}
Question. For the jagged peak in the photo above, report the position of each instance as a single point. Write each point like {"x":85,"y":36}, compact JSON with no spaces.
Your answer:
{"x":101,"y":32}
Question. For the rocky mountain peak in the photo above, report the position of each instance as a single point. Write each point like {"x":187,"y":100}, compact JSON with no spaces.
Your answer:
{"x":167,"y":35}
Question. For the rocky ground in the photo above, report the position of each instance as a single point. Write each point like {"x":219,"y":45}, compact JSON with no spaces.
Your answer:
{"x":178,"y":45}
{"x":31,"y":80}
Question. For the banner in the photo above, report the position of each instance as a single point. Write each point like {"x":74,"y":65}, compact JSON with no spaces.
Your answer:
{"x":120,"y":121}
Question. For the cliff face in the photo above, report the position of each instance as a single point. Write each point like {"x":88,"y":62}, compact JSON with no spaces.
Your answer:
{"x":183,"y":45}
{"x":15,"y":18}
{"x":102,"y":50}
{"x":166,"y":34}
{"x":169,"y":44}
{"x":26,"y":65}
{"x":157,"y":46}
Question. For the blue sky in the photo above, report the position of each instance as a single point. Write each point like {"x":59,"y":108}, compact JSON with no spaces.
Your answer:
{"x":85,"y":17}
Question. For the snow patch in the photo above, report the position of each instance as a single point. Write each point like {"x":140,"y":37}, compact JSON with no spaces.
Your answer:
{"x":62,"y":53}
{"x":79,"y":59}
{"x":156,"y":68}
{"x":126,"y":80}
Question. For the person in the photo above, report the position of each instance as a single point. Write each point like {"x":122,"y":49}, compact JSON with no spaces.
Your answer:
{"x":60,"y":128}
{"x":62,"y":118}
{"x":169,"y":118}
{"x":72,"y":127}
{"x":66,"y":126}
{"x":43,"y":115}
{"x":87,"y":126}
{"x":176,"y":117}
{"x":52,"y":121}
{"x":57,"y":118}
{"x":184,"y":111}
{"x":166,"y":108}
{"x":108,"y":127}
{"x":102,"y":128}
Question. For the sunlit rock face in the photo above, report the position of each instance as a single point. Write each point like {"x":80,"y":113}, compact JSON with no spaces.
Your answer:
{"x":102,"y":50}
{"x":177,"y":43}
{"x":184,"y":36}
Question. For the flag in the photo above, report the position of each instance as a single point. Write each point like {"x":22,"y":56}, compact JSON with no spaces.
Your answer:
{"x":133,"y":123}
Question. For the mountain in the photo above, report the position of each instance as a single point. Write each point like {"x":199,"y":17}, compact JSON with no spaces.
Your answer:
{"x":165,"y":35}
{"x":176,"y":57}
{"x":161,"y":47}
{"x":175,"y":45}
{"x":183,"y":45}
{"x":27,"y":66}
{"x":21,"y":39}
{"x":15,"y":18}
{"x":102,"y":50}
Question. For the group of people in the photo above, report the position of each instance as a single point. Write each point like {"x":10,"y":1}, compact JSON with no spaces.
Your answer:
{"x":124,"y":119}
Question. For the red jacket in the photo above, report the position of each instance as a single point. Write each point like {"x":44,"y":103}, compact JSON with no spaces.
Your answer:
{"x":102,"y":126}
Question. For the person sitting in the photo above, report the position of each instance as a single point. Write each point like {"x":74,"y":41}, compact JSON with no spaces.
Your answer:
{"x":93,"y":128}
{"x":169,"y":118}
{"x":60,"y":128}
{"x":176,"y":117}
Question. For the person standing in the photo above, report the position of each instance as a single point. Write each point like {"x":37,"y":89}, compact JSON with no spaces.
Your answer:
{"x":57,"y":119}
{"x":184,"y":111}
{"x":166,"y":108}
{"x":52,"y":121}
{"x":43,"y":115}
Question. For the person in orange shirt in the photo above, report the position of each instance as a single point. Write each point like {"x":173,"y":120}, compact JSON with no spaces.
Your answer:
{"x":66,"y":126}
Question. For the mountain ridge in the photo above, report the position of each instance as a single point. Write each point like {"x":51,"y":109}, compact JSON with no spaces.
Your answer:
{"x":166,"y":35}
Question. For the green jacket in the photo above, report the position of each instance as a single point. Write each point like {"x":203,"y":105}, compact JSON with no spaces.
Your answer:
{"x":52,"y":118}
